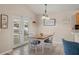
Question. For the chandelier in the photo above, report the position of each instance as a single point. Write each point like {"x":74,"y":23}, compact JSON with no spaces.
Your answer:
{"x":45,"y":15}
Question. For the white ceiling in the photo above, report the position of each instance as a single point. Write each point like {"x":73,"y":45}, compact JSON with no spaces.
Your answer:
{"x":39,"y":8}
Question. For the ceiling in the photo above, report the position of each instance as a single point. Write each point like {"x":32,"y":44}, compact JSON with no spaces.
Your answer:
{"x":52,"y":8}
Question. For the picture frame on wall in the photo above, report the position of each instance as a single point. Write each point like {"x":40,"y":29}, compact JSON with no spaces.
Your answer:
{"x":3,"y":21}
{"x":50,"y":22}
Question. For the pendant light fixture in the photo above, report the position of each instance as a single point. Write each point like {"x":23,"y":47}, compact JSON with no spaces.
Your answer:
{"x":45,"y":15}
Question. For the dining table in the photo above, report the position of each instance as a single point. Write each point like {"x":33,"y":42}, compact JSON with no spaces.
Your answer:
{"x":41,"y":39}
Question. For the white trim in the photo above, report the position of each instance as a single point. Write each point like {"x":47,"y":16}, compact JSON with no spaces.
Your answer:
{"x":6,"y":52}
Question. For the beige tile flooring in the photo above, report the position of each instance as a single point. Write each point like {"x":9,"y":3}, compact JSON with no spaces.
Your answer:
{"x":23,"y":50}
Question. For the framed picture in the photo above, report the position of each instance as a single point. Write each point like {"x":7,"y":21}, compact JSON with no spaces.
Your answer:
{"x":3,"y":21}
{"x":50,"y":22}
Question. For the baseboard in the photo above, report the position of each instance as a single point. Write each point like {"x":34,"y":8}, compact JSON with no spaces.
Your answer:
{"x":3,"y":53}
{"x":20,"y":45}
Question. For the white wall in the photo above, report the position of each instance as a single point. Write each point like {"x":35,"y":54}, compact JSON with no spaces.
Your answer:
{"x":63,"y":28}
{"x":6,"y":41}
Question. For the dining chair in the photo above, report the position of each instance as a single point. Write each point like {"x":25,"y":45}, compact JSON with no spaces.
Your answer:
{"x":34,"y":45}
{"x":48,"y":44}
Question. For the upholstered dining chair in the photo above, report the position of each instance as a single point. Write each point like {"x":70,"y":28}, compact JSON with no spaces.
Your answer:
{"x":48,"y":44}
{"x":33,"y":45}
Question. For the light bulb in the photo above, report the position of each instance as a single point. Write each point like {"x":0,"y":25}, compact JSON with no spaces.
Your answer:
{"x":47,"y":18}
{"x":43,"y":17}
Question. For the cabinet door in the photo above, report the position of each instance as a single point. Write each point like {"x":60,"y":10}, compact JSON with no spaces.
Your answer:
{"x":76,"y":37}
{"x":26,"y":31}
{"x":16,"y":32}
{"x":77,"y":19}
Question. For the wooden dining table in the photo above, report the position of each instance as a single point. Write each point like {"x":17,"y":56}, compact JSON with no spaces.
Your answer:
{"x":42,"y":38}
{"x":39,"y":37}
